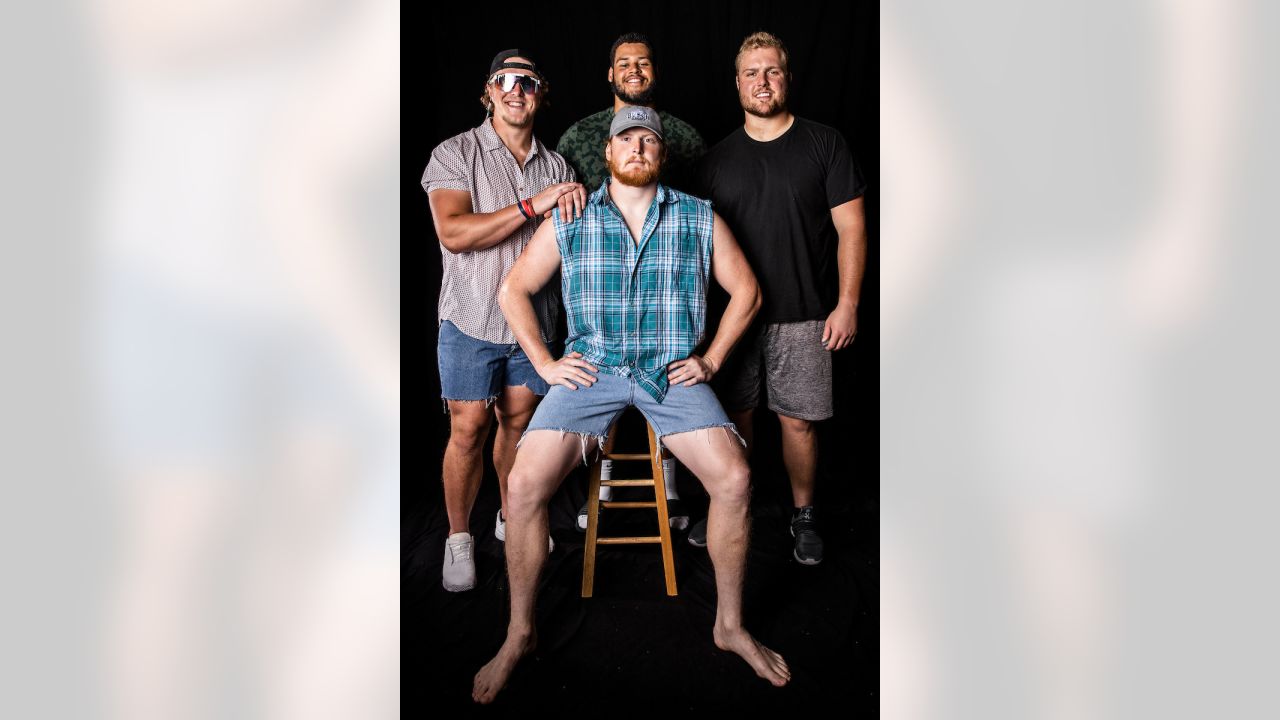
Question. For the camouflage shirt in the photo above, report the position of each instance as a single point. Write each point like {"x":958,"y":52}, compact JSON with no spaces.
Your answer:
{"x":583,"y":146}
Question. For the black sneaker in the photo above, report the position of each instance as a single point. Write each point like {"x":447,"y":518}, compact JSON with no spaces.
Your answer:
{"x":581,"y":525}
{"x":698,"y":534}
{"x":677,"y":516}
{"x":804,"y":528}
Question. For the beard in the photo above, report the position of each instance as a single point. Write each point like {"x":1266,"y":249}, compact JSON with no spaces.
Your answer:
{"x":641,"y":97}
{"x":776,"y":104}
{"x":635,"y":176}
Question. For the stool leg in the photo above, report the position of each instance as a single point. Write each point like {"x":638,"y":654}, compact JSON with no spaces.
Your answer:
{"x":593,"y":517}
{"x":664,"y":523}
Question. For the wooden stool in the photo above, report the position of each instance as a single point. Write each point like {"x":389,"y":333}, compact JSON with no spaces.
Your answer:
{"x":656,"y":481}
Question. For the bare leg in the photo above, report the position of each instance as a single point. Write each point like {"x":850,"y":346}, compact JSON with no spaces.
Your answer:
{"x":800,"y":455}
{"x":514,"y":408}
{"x":715,"y":456}
{"x":463,"y":461}
{"x":541,"y":463}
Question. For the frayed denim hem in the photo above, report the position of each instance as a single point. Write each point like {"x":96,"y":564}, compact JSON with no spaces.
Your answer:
{"x":728,"y":426}
{"x":582,"y":437}
{"x":444,"y":402}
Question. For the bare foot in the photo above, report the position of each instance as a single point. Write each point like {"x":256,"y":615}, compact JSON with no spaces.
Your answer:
{"x":493,"y":676}
{"x":767,"y":663}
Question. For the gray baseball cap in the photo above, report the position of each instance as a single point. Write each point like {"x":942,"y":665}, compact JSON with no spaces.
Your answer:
{"x":633,"y":116}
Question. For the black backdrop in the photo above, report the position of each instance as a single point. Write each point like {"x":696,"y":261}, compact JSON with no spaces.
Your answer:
{"x":833,"y":58}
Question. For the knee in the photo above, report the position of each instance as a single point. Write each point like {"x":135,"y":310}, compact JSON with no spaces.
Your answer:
{"x":468,"y":428}
{"x":733,"y":486}
{"x":525,"y":491}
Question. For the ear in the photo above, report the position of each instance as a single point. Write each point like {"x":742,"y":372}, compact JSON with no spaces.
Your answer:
{"x":610,"y":76}
{"x":608,"y":150}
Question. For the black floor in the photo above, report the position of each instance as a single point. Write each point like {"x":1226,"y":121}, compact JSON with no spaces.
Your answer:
{"x":631,"y":647}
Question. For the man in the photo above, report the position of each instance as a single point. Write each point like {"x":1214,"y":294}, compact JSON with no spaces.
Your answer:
{"x":791,"y":191}
{"x":635,"y":269}
{"x":633,"y":77}
{"x":488,"y":188}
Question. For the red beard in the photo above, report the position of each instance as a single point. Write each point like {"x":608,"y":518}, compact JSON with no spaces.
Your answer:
{"x":635,"y":176}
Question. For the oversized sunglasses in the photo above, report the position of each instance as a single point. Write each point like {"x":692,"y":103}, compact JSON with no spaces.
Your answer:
{"x":507,"y":82}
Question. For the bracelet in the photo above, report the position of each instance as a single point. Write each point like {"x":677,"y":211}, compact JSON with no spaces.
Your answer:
{"x":526,"y":208}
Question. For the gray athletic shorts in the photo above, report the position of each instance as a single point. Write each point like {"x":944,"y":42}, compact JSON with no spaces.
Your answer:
{"x":791,"y":362}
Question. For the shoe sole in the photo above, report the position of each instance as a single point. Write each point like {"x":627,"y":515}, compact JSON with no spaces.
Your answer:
{"x":797,"y":557}
{"x":458,"y":588}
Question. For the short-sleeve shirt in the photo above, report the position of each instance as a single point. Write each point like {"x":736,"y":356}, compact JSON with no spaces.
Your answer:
{"x":777,"y":198}
{"x":583,"y":146}
{"x":634,"y":307}
{"x":477,"y":162}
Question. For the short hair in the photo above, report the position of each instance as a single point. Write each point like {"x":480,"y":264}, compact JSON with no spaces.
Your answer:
{"x":632,"y":37}
{"x":758,"y":40}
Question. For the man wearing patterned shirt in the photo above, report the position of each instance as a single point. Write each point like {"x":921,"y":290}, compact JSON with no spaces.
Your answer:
{"x":633,"y":76}
{"x":488,"y":189}
{"x":635,"y":269}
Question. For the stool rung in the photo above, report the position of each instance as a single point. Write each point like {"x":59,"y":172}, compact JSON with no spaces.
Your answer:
{"x":637,"y":482}
{"x":627,"y":540}
{"x":627,"y":456}
{"x":614,"y":504}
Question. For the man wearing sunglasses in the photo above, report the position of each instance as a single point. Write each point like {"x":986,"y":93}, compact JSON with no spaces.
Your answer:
{"x":633,"y":77}
{"x":635,"y":268}
{"x":489,"y":188}
{"x":791,"y":190}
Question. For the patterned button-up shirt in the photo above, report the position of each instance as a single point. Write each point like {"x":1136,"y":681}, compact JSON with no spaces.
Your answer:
{"x":633,"y":306}
{"x":476,"y":161}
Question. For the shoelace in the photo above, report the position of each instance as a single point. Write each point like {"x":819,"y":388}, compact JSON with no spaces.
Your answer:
{"x":804,"y":520}
{"x":460,"y":550}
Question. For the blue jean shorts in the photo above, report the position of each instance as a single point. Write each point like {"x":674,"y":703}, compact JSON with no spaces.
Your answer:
{"x":592,"y":411}
{"x":472,"y":369}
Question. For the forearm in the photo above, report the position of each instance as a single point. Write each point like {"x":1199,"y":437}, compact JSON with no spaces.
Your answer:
{"x":852,"y":263}
{"x":517,"y":307}
{"x":477,"y":231}
{"x":737,"y":317}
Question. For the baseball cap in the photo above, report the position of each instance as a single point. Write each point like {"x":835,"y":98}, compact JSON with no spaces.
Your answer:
{"x":633,"y":116}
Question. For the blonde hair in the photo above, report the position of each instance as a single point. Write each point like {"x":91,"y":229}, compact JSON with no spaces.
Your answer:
{"x":758,"y":40}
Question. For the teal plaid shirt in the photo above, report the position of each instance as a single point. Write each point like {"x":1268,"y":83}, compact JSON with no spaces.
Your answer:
{"x":633,"y":307}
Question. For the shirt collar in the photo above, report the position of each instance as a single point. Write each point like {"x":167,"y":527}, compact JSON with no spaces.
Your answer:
{"x":490,"y":141}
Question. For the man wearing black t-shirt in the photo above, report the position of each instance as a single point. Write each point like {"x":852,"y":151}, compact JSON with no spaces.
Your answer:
{"x":792,"y":194}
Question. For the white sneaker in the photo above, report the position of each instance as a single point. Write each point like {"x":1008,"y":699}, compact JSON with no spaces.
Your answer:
{"x":459,"y":567}
{"x":500,"y":532}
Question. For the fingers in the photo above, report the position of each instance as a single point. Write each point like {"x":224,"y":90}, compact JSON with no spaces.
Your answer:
{"x":574,"y":356}
{"x":826,"y":332}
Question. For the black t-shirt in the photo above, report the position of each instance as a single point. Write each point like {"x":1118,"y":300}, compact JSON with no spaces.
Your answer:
{"x":777,"y":197}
